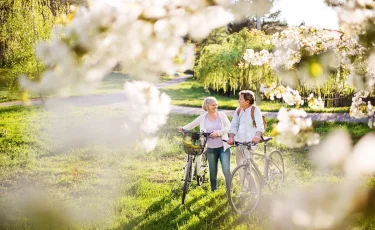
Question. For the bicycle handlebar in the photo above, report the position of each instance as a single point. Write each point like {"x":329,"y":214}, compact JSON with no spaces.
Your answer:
{"x":184,"y":131}
{"x":237,"y":143}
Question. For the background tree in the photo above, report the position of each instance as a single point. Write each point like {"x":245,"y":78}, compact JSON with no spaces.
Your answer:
{"x":220,"y":66}
{"x":23,"y":23}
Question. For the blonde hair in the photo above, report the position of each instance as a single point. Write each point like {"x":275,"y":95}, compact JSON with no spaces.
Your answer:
{"x":207,"y":101}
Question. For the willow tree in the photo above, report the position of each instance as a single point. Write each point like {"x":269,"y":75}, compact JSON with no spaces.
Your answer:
{"x":23,"y":23}
{"x":220,"y":66}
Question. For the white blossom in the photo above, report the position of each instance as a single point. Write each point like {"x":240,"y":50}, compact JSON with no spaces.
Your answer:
{"x":332,"y":151}
{"x":257,"y":58}
{"x":315,"y":103}
{"x":149,"y":109}
{"x":362,"y":160}
{"x":294,"y":129}
{"x":358,"y":109}
{"x":145,"y":37}
{"x":323,"y":206}
{"x":292,"y":97}
{"x":151,"y":106}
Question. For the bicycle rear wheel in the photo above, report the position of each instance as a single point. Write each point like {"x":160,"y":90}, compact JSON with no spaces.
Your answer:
{"x":275,"y":170}
{"x":244,"y":190}
{"x":187,"y":178}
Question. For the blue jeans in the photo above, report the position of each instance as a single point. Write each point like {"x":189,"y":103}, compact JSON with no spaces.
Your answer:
{"x":213,"y":156}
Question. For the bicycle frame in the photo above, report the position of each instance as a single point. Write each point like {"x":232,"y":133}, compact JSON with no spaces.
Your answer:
{"x":267,"y":160}
{"x":193,"y":166}
{"x":247,"y":181}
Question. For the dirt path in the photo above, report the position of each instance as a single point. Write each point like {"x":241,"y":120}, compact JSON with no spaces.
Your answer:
{"x":118,"y":100}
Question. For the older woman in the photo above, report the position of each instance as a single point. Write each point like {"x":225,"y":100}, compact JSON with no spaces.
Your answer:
{"x":219,"y":124}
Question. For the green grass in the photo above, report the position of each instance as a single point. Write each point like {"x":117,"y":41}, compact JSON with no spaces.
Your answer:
{"x":122,"y":187}
{"x":191,"y":93}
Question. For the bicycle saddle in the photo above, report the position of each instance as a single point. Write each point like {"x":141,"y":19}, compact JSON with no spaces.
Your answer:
{"x":267,"y":139}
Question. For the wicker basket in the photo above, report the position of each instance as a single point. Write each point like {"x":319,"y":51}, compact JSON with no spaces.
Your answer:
{"x":192,"y":143}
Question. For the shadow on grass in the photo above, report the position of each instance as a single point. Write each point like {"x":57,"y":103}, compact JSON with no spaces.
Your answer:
{"x":200,"y":212}
{"x":152,"y":219}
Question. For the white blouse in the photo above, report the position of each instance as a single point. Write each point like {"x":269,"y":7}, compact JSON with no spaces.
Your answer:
{"x":223,"y":132}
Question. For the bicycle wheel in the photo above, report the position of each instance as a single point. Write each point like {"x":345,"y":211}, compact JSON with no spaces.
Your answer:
{"x":187,"y":178}
{"x":244,"y":190}
{"x":275,"y":170}
{"x":202,"y":170}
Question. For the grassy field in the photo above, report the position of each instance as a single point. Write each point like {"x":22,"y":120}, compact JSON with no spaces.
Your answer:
{"x":112,"y":83}
{"x":96,"y":186}
{"x":191,"y":93}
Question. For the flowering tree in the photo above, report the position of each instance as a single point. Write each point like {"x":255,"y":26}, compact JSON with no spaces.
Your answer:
{"x":146,"y":37}
{"x":307,"y":56}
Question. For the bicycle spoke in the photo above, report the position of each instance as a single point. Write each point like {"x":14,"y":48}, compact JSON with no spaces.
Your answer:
{"x":275,"y":171}
{"x":244,"y":190}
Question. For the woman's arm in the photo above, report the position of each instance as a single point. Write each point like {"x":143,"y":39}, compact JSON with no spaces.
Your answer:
{"x":194,"y":123}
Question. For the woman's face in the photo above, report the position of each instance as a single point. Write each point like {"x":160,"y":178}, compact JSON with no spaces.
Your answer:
{"x":212,"y":107}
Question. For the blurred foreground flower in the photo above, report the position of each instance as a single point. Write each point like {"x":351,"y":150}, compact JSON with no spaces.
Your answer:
{"x":294,"y":129}
{"x":292,"y":97}
{"x":145,"y":37}
{"x":323,"y":206}
{"x":359,"y":108}
{"x":149,"y":109}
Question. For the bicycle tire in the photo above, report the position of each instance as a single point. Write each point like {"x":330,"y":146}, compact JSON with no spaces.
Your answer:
{"x":244,"y":196}
{"x":201,"y":175}
{"x":275,"y":170}
{"x":187,"y":178}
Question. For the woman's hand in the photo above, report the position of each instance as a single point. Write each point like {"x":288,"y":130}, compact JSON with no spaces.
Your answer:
{"x":214,"y":134}
{"x":179,"y":128}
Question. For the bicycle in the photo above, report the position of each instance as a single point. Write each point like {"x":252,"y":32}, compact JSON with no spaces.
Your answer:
{"x":247,"y":181}
{"x":194,"y":145}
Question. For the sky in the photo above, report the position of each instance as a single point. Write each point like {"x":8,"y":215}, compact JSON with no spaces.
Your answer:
{"x":312,"y":12}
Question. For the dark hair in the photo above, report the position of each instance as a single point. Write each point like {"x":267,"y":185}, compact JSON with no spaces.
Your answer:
{"x":248,"y":95}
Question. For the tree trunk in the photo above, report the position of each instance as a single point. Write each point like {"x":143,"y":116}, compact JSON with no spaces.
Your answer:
{"x":258,"y":99}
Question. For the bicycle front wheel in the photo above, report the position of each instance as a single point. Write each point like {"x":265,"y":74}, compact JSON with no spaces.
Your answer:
{"x":187,"y":178}
{"x":244,"y":190}
{"x":275,"y":170}
{"x":202,"y":170}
